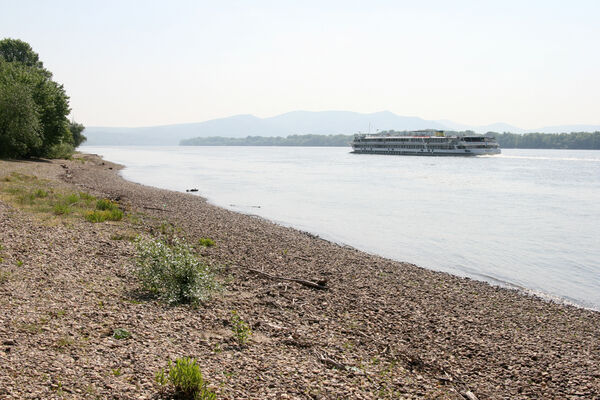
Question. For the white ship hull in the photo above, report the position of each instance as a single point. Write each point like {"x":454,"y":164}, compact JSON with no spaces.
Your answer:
{"x":418,"y":144}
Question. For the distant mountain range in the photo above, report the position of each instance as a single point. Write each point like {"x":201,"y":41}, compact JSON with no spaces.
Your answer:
{"x":295,"y":122}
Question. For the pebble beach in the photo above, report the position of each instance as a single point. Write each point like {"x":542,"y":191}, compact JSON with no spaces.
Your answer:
{"x":371,"y":328}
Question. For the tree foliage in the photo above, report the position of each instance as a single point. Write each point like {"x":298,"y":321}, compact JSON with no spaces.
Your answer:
{"x":77,"y":133}
{"x":573,"y":140}
{"x":33,"y":107}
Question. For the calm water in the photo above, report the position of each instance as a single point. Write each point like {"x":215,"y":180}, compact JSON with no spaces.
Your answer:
{"x":527,"y":218}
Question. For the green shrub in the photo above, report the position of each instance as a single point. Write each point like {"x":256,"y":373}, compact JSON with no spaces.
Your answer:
{"x":115,"y":214}
{"x":62,"y":209}
{"x":240,"y":328}
{"x":106,"y":210}
{"x":206,"y":242}
{"x":95,"y":216}
{"x":71,"y":198}
{"x":105,"y":204}
{"x":61,"y":150}
{"x":185,"y":378}
{"x":173,"y":273}
{"x":121,"y":333}
{"x":104,"y":215}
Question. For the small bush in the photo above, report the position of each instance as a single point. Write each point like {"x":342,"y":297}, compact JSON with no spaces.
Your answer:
{"x":185,"y":378}
{"x":62,"y":209}
{"x":106,"y":210}
{"x":95,"y":216}
{"x":62,"y":150}
{"x":105,"y":204}
{"x":206,"y":242}
{"x":115,"y":214}
{"x":71,"y":198}
{"x":121,"y":333}
{"x":104,"y":215}
{"x":173,"y":273}
{"x":240,"y":328}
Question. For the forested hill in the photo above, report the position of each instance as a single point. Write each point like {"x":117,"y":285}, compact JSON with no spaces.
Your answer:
{"x":291,"y":140}
{"x":575,"y":140}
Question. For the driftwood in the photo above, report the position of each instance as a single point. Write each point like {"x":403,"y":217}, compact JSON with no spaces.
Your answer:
{"x":156,"y":208}
{"x":325,"y":359}
{"x":320,"y":285}
{"x":469,"y":395}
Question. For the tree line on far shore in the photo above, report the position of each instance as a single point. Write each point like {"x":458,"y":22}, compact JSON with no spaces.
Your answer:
{"x":574,"y":140}
{"x":291,"y":140}
{"x":34,"y":108}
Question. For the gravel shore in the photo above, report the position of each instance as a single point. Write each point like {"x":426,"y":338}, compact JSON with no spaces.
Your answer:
{"x":381,"y":329}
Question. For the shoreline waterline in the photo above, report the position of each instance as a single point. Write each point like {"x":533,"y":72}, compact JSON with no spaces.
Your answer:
{"x":425,"y":333}
{"x":527,"y":261}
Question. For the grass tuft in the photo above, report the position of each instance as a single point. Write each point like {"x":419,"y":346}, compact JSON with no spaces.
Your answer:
{"x":206,"y":242}
{"x":62,"y":209}
{"x":106,"y":210}
{"x":185,"y":379}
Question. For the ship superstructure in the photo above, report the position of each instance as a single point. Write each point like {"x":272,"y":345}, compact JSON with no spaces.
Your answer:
{"x":424,"y":143}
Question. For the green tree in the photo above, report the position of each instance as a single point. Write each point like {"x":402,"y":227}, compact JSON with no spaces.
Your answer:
{"x":20,"y":129}
{"x":15,"y":50}
{"x":41,"y":106}
{"x":77,"y":133}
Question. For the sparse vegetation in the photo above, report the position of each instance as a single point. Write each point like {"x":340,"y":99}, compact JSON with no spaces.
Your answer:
{"x":121,"y":333}
{"x":173,"y":273}
{"x":206,"y":242}
{"x":123,"y":236}
{"x":37,"y":195}
{"x":62,"y":209}
{"x":106,"y":210}
{"x":240,"y":329}
{"x":185,"y":380}
{"x":4,"y":276}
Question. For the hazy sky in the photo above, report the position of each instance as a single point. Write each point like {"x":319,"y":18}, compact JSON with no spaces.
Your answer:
{"x":137,"y":63}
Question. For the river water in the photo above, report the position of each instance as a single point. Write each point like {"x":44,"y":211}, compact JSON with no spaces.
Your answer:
{"x":527,"y":219}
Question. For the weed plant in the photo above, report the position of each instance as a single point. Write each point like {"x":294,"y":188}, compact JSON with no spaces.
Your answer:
{"x":173,"y":273}
{"x":106,"y":210}
{"x":206,"y":242}
{"x":121,"y":333}
{"x":240,"y":329}
{"x":185,"y":379}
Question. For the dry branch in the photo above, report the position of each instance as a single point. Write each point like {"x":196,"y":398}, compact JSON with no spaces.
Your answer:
{"x":303,"y":282}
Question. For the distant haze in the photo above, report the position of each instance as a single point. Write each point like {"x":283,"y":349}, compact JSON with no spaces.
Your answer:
{"x":296,"y":122}
{"x":146,"y":63}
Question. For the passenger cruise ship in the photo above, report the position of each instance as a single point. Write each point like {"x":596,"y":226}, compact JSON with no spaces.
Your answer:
{"x":424,"y":143}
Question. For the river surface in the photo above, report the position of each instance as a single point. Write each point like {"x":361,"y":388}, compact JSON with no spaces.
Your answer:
{"x":527,"y":219}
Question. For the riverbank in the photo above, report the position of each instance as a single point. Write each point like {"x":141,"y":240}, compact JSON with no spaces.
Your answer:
{"x":383,"y":329}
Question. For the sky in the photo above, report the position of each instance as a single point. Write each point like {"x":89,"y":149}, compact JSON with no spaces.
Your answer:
{"x":144,"y":63}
